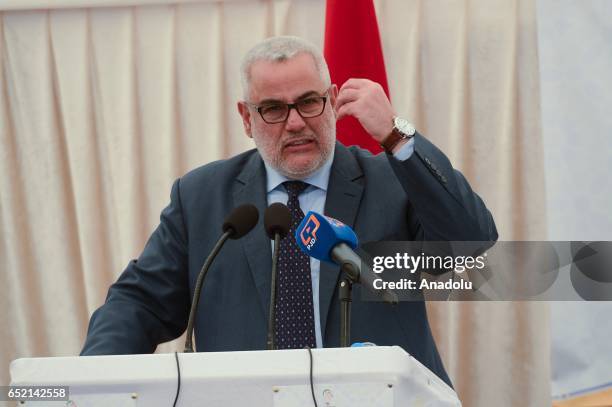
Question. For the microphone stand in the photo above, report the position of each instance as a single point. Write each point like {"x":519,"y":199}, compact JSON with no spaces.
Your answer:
{"x":350,"y":266}
{"x":271,"y":324}
{"x":345,"y":290}
{"x":198,"y":288}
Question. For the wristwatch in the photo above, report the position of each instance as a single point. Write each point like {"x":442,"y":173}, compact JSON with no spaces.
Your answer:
{"x":402,"y":130}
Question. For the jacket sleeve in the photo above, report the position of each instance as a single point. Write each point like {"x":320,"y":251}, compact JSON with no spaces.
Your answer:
{"x":443,"y":201}
{"x":149,"y":303}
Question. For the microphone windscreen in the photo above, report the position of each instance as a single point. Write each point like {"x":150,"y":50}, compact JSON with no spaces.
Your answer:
{"x":277,"y":219}
{"x":241,"y":220}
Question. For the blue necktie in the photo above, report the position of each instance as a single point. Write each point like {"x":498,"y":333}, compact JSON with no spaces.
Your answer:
{"x":294,"y":310}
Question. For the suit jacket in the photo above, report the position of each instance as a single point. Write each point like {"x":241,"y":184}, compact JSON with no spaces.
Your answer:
{"x":422,"y":198}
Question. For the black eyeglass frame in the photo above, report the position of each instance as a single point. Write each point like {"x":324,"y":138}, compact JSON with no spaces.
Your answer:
{"x":291,"y":106}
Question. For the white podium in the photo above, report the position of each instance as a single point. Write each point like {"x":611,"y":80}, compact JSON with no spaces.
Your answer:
{"x":352,"y":377}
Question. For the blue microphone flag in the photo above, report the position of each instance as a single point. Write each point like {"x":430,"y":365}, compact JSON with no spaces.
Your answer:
{"x":317,"y":235}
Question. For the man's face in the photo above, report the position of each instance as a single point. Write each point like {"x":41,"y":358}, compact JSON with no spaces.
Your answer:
{"x":298,"y":146}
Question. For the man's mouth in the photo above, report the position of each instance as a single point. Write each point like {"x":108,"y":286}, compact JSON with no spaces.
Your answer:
{"x":299,"y":142}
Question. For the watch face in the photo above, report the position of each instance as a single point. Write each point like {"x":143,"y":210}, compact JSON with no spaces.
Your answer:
{"x":404,"y":126}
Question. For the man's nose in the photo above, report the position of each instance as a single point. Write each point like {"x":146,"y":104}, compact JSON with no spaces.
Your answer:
{"x":295,"y":122}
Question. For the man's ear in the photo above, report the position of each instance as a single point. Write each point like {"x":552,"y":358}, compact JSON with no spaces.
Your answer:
{"x":243,"y":109}
{"x":333,"y":94}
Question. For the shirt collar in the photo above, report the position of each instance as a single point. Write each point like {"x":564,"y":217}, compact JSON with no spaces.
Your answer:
{"x":319,"y":179}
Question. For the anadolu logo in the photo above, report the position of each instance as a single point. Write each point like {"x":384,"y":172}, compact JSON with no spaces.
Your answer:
{"x":309,"y":233}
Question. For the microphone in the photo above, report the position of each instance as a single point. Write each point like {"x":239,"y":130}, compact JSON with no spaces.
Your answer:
{"x":277,"y":222}
{"x":330,"y":240}
{"x":238,"y":223}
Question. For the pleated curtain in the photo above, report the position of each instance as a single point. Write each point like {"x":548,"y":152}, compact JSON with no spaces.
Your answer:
{"x":101,"y":108}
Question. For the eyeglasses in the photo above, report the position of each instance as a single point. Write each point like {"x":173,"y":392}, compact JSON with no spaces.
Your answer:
{"x":309,"y":107}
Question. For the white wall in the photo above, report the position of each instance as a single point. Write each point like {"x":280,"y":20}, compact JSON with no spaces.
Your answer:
{"x":575,"y":49}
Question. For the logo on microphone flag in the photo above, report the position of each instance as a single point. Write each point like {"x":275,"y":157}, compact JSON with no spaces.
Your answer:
{"x":308,"y":234}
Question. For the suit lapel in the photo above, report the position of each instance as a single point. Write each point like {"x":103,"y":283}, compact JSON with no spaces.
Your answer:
{"x":250,"y":187}
{"x":343,"y":198}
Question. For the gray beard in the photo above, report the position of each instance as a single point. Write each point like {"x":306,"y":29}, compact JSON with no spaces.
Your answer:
{"x":326,"y":151}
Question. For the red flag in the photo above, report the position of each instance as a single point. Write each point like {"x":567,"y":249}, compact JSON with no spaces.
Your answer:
{"x":353,"y":50}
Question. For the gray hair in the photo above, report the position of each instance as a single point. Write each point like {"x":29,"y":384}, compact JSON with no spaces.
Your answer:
{"x":279,"y":49}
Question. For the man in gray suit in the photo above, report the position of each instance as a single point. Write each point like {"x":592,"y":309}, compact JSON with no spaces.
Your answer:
{"x":290,"y":109}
